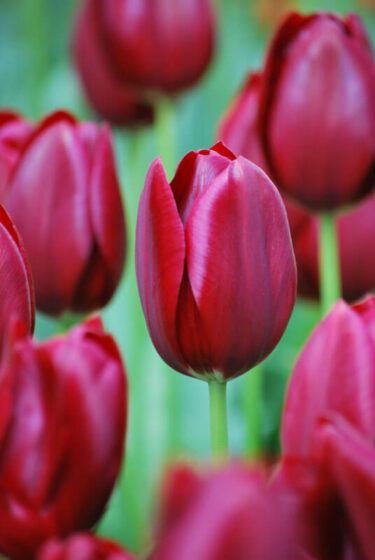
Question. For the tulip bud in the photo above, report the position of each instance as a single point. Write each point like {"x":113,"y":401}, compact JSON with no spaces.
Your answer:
{"x":14,"y":133}
{"x":317,"y":111}
{"x":82,"y":547}
{"x":335,"y":374}
{"x":16,"y":288}
{"x":64,"y":198}
{"x":108,"y":95}
{"x":159,"y":45}
{"x":215,"y":264}
{"x":62,"y":427}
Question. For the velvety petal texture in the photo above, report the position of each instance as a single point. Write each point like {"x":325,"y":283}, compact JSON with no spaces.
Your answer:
{"x":108,"y":95}
{"x":317,"y":116}
{"x":147,"y":42}
{"x":82,"y":547}
{"x":64,"y":198}
{"x":62,"y":426}
{"x":14,"y":133}
{"x":215,"y":266}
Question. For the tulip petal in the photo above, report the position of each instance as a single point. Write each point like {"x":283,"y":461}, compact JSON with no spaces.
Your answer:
{"x":160,"y":256}
{"x":239,"y":250}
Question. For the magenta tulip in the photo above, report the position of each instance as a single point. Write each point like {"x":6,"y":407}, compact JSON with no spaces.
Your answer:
{"x":16,"y":286}
{"x":161,"y":45}
{"x":215,"y":265}
{"x":14,"y":133}
{"x":65,"y":201}
{"x":317,"y":115}
{"x":62,"y":427}
{"x":108,"y":95}
{"x":82,"y":547}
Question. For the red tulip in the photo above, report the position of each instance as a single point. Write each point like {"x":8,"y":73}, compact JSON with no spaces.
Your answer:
{"x":14,"y":133}
{"x":108,"y":95}
{"x":232,"y":515}
{"x":16,"y":288}
{"x":214,"y":262}
{"x":161,"y":45}
{"x":82,"y":547}
{"x":62,"y":427}
{"x":64,"y":198}
{"x":317,"y":111}
{"x":335,"y":373}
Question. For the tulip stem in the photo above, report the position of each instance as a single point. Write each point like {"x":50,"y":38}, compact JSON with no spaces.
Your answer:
{"x":166,"y":133}
{"x":252,"y":413}
{"x":330,"y":278}
{"x":219,"y":425}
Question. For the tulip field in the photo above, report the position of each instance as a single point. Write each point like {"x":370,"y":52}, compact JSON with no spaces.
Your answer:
{"x":187,"y":279}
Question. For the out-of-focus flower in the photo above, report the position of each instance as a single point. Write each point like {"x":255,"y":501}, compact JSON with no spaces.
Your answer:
{"x":108,"y":95}
{"x":65,"y":201}
{"x":215,"y":264}
{"x":317,"y":115}
{"x":82,"y":547}
{"x":161,"y":45}
{"x":231,"y":514}
{"x":14,"y":133}
{"x":16,"y":287}
{"x":62,"y":426}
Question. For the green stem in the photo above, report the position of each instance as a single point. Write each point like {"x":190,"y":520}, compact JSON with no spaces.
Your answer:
{"x":166,"y":133}
{"x":329,"y":263}
{"x":253,"y":409}
{"x":218,"y":417}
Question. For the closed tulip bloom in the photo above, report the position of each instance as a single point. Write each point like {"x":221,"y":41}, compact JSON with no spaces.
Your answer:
{"x":65,"y":201}
{"x":82,"y":547}
{"x":215,"y":265}
{"x":62,"y":427}
{"x":317,"y":112}
{"x":107,"y":94}
{"x":163,"y":45}
{"x":16,"y":286}
{"x":14,"y":133}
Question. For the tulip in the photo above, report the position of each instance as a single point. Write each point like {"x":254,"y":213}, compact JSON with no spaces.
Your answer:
{"x":14,"y":134}
{"x":65,"y":201}
{"x":82,"y":547}
{"x":215,"y":265}
{"x":317,"y":115}
{"x":16,"y":286}
{"x":162,"y":45}
{"x":62,"y":426}
{"x":108,"y":95}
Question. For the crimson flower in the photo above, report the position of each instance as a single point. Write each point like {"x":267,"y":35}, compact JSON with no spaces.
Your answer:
{"x":215,"y":265}
{"x":161,"y":45}
{"x":82,"y":547}
{"x":65,"y":201}
{"x":108,"y":95}
{"x":62,"y":427}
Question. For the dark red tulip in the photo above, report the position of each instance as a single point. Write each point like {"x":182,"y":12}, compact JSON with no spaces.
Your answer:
{"x":82,"y":547}
{"x":161,"y":45}
{"x":65,"y":201}
{"x":108,"y":95}
{"x":215,"y":265}
{"x":317,"y":111}
{"x":231,"y":515}
{"x":335,"y":373}
{"x":16,"y":287}
{"x":62,"y":426}
{"x":14,"y":133}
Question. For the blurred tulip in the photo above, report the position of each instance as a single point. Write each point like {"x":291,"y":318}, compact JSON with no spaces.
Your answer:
{"x":161,"y":45}
{"x":16,"y":287}
{"x":82,"y":547}
{"x":232,"y":514}
{"x":108,"y":95}
{"x":215,"y":264}
{"x":62,"y":426}
{"x":64,"y":199}
{"x":14,"y":133}
{"x":317,"y":115}
{"x":335,"y":373}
